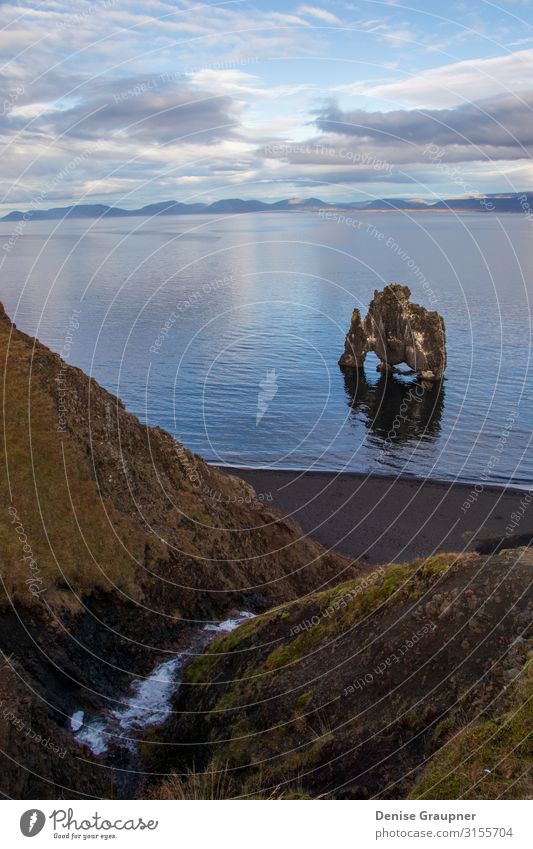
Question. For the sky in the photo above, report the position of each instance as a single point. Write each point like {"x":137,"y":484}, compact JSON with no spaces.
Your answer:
{"x":129,"y":103}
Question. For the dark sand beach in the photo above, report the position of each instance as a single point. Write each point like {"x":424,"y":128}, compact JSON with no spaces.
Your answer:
{"x":394,"y":519}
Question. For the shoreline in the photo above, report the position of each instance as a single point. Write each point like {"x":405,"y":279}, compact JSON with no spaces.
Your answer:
{"x":379,"y":518}
{"x":467,"y":484}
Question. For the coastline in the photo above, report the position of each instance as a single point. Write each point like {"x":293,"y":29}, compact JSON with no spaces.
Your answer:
{"x":387,"y":518}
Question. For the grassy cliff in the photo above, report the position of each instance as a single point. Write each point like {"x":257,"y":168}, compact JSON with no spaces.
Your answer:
{"x":113,"y":537}
{"x":105,"y":504}
{"x":379,"y":687}
{"x":491,"y":757}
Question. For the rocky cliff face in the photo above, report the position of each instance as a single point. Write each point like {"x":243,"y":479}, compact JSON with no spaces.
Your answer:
{"x":38,"y":758}
{"x":106,"y":504}
{"x":354,"y":692}
{"x":113,"y":538}
{"x":397,"y":331}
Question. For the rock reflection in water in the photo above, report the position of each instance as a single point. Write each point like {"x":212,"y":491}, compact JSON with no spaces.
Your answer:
{"x":393,"y":409}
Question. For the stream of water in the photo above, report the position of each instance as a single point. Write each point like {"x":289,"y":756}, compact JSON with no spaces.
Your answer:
{"x":149,"y":701}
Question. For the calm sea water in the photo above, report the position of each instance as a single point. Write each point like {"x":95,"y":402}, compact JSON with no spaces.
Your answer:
{"x":227,"y":332}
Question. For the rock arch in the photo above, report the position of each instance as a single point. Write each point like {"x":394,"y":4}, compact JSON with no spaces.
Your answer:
{"x":397,"y":331}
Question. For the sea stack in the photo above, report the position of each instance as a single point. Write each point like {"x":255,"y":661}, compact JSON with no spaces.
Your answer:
{"x":397,"y":331}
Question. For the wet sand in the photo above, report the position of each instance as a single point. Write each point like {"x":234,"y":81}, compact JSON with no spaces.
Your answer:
{"x":382,"y":519}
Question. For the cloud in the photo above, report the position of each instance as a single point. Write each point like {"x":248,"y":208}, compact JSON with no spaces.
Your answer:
{"x":226,"y":81}
{"x":460,"y":82}
{"x":155,"y":96}
{"x":182,"y":119}
{"x":496,"y":128}
{"x":118,"y":134}
{"x":319,"y":14}
{"x":411,"y":146}
{"x":239,"y":83}
{"x":150,"y":109}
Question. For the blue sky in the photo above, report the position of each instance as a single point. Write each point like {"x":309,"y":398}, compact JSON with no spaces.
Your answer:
{"x":133,"y":102}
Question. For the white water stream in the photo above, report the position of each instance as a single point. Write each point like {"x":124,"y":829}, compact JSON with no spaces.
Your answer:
{"x":148,"y":703}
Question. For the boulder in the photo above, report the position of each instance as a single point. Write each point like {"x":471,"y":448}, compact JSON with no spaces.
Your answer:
{"x":397,"y":331}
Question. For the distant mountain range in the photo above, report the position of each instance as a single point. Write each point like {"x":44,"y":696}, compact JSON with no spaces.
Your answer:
{"x":517,"y":202}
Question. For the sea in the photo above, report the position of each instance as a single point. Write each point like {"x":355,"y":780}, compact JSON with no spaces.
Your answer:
{"x":227,"y":330}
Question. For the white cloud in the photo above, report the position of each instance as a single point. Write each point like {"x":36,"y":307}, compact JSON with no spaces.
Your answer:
{"x":319,"y":14}
{"x":226,"y":81}
{"x":460,"y":82}
{"x":240,"y":83}
{"x":400,"y":37}
{"x":282,"y":19}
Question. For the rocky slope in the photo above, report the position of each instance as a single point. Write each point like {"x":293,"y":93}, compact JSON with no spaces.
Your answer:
{"x":115,"y":538}
{"x":376,"y":688}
